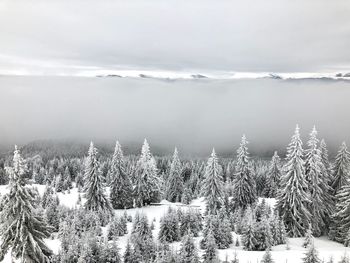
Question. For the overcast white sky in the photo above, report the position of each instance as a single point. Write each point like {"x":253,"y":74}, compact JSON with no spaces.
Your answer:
{"x":55,"y":37}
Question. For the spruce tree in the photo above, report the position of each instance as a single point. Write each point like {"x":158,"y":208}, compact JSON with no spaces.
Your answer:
{"x":311,"y":255}
{"x":317,"y":179}
{"x":210,"y":253}
{"x":293,"y":199}
{"x":267,"y":257}
{"x":244,"y":188}
{"x":95,"y":197}
{"x":121,"y":187}
{"x":341,"y":174}
{"x":249,"y":237}
{"x":175,"y":186}
{"x":22,"y":228}
{"x":273,"y":176}
{"x":188,"y":252}
{"x":342,"y":216}
{"x":212,"y":185}
{"x":147,"y":182}
{"x":309,"y":239}
{"x":169,"y":227}
{"x":325,"y":161}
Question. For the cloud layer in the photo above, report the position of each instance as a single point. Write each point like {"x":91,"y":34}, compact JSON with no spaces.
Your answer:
{"x":54,"y":37}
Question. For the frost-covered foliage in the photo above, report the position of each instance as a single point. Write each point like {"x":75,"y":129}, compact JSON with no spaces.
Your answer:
{"x":341,"y":168}
{"x":95,"y":197}
{"x":121,"y":186}
{"x":316,"y":175}
{"x":212,"y":185}
{"x":23,"y":227}
{"x":274,"y":175}
{"x":147,"y":183}
{"x":169,"y":227}
{"x":293,"y":199}
{"x":188,"y":252}
{"x":244,"y":188}
{"x":175,"y":186}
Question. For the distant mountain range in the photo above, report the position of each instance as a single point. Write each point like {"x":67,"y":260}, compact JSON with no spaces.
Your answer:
{"x":167,"y":75}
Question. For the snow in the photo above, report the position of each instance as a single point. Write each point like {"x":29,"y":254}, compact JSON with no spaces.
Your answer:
{"x":325,"y":247}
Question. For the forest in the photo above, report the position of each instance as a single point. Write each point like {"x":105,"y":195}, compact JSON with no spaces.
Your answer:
{"x":114,"y":208}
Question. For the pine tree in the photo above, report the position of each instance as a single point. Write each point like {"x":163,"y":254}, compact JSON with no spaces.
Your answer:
{"x":59,"y":185}
{"x":95,"y":198}
{"x":210,"y":253}
{"x":128,"y":254}
{"x":147,"y":182}
{"x":212,"y":185}
{"x":142,"y":239}
{"x":121,"y":187}
{"x":267,"y":257}
{"x":169,"y":227}
{"x":191,"y":221}
{"x":175,"y":186}
{"x":311,"y":255}
{"x":188,"y":251}
{"x":244,"y":189}
{"x":325,"y":161}
{"x":341,"y":170}
{"x":110,"y":253}
{"x":116,"y":228}
{"x":309,"y":239}
{"x":317,"y":178}
{"x":249,"y":240}
{"x":293,"y":199}
{"x":22,"y":228}
{"x":342,"y":216}
{"x":274,"y":176}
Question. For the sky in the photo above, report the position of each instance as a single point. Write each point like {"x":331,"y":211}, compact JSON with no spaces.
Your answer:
{"x":63,"y":40}
{"x":73,"y":37}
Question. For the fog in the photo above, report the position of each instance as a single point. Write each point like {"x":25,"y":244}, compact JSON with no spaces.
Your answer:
{"x":193,"y":115}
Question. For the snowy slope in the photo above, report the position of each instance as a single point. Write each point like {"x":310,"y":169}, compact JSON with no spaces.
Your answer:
{"x":296,"y":252}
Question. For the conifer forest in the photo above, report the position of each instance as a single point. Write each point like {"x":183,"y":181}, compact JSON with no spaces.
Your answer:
{"x":174,"y":131}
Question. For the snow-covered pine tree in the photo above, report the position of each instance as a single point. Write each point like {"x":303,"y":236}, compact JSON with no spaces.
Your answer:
{"x":142,"y":239}
{"x":175,"y":185}
{"x":95,"y":197}
{"x":147,"y":182}
{"x":249,"y":237}
{"x":191,"y":222}
{"x":110,"y":253}
{"x":210,"y":253}
{"x":121,"y":187}
{"x":316,"y":175}
{"x":22,"y":228}
{"x":116,"y":228}
{"x":59,"y":185}
{"x":342,"y":216}
{"x":311,"y":255}
{"x":341,"y":169}
{"x":188,"y":252}
{"x":273,"y":176}
{"x":244,"y":188}
{"x":169,"y":227}
{"x":293,"y":199}
{"x":309,"y":239}
{"x":212,"y":185}
{"x":267,"y":257}
{"x":325,"y":161}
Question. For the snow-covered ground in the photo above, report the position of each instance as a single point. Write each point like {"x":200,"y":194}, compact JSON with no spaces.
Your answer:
{"x":280,"y":253}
